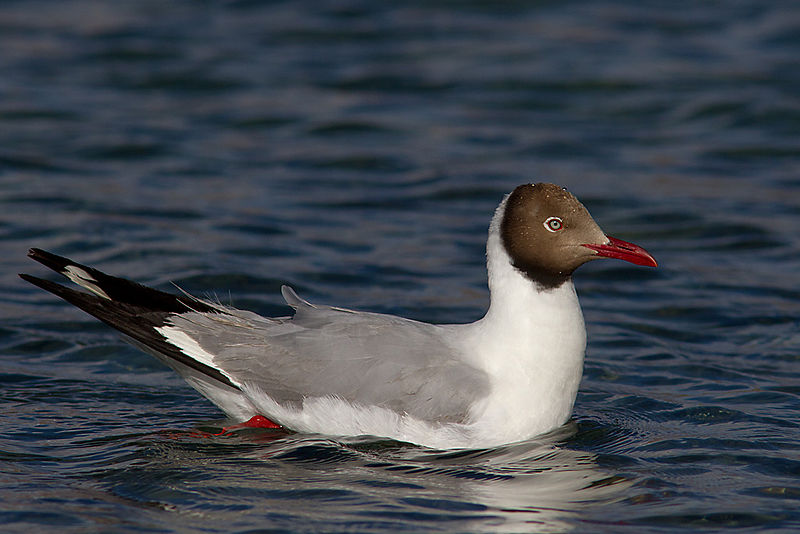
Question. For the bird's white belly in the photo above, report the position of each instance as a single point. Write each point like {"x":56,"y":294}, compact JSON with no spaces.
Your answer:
{"x":525,"y":406}
{"x":338,"y":417}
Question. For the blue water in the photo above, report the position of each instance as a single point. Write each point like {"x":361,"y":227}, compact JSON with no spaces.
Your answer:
{"x":357,"y":150}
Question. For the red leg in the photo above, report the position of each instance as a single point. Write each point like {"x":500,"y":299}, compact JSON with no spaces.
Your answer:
{"x":257,"y":421}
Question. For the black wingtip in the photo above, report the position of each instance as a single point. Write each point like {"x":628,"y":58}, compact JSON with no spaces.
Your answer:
{"x":120,"y":289}
{"x":135,"y":318}
{"x":52,"y":287}
{"x":48,"y":259}
{"x":28,"y":278}
{"x":35,"y":280}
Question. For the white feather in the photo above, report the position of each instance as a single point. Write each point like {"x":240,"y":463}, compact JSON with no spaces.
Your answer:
{"x":84,"y":279}
{"x":191,"y":348}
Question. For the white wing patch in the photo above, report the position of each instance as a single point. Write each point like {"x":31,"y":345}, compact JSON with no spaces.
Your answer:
{"x":191,"y":348}
{"x":83,"y":279}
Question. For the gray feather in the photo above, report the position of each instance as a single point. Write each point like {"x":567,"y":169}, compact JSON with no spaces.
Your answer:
{"x":367,"y":358}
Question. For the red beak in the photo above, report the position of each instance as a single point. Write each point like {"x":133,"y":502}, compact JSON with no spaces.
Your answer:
{"x":622,"y":250}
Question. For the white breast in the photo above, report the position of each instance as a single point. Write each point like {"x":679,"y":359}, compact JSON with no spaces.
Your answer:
{"x":532,"y":345}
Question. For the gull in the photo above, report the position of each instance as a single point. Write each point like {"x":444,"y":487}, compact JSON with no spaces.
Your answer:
{"x":510,"y":376}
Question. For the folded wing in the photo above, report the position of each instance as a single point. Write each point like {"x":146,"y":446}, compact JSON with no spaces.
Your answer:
{"x":365,"y":358}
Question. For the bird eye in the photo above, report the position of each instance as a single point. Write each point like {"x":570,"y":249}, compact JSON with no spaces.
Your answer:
{"x":553,"y":224}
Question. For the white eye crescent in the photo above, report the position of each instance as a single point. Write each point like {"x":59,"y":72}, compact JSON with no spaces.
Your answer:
{"x":553,"y":224}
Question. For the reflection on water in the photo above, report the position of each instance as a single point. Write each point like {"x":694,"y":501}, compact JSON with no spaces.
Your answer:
{"x":533,"y":486}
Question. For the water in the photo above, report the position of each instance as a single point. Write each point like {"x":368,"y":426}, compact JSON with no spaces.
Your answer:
{"x":356,"y":150}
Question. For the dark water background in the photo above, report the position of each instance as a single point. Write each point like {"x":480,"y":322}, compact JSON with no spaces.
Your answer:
{"x":356,"y":150}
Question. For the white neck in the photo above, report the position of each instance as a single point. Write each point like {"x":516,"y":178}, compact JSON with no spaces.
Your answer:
{"x":531,"y":342}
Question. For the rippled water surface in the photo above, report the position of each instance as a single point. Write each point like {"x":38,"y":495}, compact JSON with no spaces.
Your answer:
{"x":357,"y":151}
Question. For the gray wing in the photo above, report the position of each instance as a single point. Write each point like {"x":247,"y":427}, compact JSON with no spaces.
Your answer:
{"x":368,"y":358}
